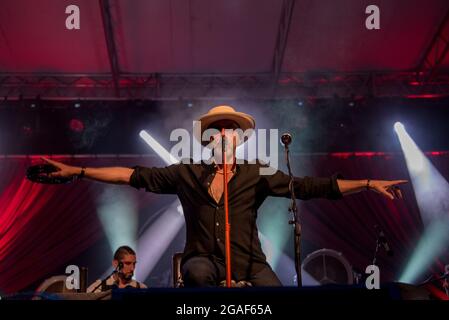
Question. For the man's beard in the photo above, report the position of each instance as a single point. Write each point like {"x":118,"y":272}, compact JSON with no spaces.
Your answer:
{"x":126,"y":277}
{"x":230,"y":153}
{"x":218,"y":158}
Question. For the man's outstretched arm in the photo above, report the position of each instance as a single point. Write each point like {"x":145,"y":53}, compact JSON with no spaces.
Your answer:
{"x":116,"y":175}
{"x":331,"y":188}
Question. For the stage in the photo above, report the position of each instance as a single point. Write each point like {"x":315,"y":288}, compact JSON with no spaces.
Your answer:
{"x":157,"y":144}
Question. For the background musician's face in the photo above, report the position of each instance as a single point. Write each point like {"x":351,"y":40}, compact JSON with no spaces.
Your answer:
{"x":129,"y":265}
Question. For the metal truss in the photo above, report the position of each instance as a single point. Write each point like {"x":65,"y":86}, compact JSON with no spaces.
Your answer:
{"x":220,"y":86}
{"x":425,"y":81}
{"x":110,"y":43}
{"x":435,"y":53}
{"x":281,"y":42}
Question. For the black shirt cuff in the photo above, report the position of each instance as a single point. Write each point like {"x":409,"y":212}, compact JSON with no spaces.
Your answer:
{"x":335,"y":190}
{"x":134,"y":180}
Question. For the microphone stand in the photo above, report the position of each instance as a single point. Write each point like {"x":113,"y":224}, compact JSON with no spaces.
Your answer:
{"x":116,"y":270}
{"x":376,"y":250}
{"x":226,"y":207}
{"x":379,"y":241}
{"x":105,"y":279}
{"x":83,"y":279}
{"x":293,"y":209}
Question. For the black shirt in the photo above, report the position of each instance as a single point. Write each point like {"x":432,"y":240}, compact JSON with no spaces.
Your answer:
{"x":204,"y":217}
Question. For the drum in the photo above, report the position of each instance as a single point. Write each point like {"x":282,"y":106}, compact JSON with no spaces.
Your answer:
{"x":327,"y":266}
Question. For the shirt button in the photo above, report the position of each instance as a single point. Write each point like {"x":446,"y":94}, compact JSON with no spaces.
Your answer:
{"x":217,"y":224}
{"x":218,"y":239}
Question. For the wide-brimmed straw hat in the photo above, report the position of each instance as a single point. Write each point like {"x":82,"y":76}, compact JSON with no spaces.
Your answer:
{"x":243,"y":120}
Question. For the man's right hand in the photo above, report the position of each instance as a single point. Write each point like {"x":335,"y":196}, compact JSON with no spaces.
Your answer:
{"x":64,"y":171}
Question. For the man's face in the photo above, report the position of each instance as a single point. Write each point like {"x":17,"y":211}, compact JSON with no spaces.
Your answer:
{"x":231,"y":136}
{"x":224,"y":124}
{"x":129,"y":265}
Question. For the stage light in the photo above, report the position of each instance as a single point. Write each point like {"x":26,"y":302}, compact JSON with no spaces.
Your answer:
{"x":155,"y":240}
{"x":398,"y":127}
{"x":77,"y":104}
{"x":76,"y":125}
{"x":415,"y":159}
{"x":166,"y":156}
{"x":275,"y":227}
{"x":352,"y":101}
{"x":432,"y":243}
{"x":117,"y":212}
{"x":36,"y":102}
{"x":432,"y":195}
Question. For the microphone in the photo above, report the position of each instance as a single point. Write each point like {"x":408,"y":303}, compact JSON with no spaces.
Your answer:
{"x":383,"y":240}
{"x":121,"y":274}
{"x":286,"y":139}
{"x":224,"y":140}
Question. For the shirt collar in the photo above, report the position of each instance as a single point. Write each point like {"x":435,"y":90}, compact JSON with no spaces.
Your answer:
{"x":111,"y":281}
{"x":211,"y":166}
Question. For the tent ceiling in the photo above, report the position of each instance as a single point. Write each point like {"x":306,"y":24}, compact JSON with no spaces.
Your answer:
{"x":201,"y":37}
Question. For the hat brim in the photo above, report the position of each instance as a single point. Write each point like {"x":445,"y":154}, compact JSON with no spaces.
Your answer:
{"x":243,"y":120}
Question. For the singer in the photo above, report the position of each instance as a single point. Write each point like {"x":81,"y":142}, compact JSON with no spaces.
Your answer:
{"x":200,"y":190}
{"x":124,"y":263}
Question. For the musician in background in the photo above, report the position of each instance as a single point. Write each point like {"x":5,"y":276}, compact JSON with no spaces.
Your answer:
{"x":124,"y":264}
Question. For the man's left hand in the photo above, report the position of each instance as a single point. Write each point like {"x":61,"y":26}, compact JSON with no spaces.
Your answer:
{"x":388,"y":189}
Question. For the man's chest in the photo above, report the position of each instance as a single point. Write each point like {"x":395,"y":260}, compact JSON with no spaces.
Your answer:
{"x":202,"y":188}
{"x":216,"y":187}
